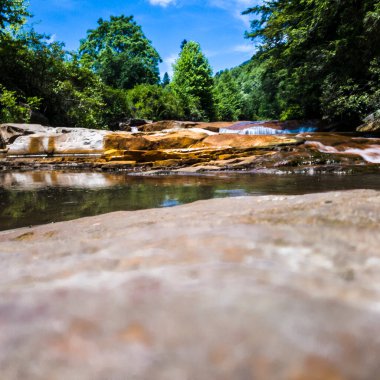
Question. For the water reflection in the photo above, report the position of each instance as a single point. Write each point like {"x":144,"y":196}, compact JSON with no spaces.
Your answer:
{"x":42,"y":197}
{"x":35,"y":180}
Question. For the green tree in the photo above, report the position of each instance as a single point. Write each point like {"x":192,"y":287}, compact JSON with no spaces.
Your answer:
{"x":16,"y":109}
{"x":154,"y":102}
{"x":192,"y":82}
{"x":314,"y":51}
{"x":120,"y":53}
{"x":227,"y":96}
{"x":165,"y":80}
{"x":12,"y":12}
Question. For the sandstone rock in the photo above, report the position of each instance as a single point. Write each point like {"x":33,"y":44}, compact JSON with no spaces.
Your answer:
{"x":171,"y":140}
{"x":244,"y":142}
{"x":275,"y":287}
{"x":177,"y":140}
{"x":126,"y":141}
{"x":173,"y":124}
{"x":10,"y":132}
{"x":60,"y":141}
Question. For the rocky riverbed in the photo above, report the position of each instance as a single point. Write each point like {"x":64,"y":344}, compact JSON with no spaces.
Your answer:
{"x":187,"y":147}
{"x":273,"y":287}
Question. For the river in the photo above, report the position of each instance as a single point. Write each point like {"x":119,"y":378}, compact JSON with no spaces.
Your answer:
{"x":32,"y":198}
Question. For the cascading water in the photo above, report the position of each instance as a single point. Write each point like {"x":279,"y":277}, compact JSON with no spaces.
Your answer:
{"x":270,"y":128}
{"x":267,"y":131}
{"x":370,"y":153}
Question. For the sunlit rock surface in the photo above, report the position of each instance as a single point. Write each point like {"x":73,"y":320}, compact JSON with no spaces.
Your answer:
{"x":192,"y":147}
{"x":275,"y":287}
{"x":59,"y":141}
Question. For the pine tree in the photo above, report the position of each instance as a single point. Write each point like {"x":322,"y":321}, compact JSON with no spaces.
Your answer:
{"x":165,"y":80}
{"x":192,"y":82}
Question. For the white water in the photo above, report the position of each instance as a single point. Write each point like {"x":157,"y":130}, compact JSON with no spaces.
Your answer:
{"x":370,"y":154}
{"x":260,"y":130}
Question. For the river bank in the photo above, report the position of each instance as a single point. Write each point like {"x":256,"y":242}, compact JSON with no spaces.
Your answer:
{"x":279,"y":287}
{"x":188,"y":148}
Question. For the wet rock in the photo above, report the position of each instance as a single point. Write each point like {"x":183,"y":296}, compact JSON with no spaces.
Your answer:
{"x":183,"y":148}
{"x":339,"y":144}
{"x":274,"y":287}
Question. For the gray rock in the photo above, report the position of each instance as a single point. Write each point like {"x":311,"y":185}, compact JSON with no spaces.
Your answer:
{"x":9,"y":132}
{"x":274,"y":287}
{"x":35,"y":139}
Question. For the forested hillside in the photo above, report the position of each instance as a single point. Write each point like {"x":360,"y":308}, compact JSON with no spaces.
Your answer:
{"x":315,"y":59}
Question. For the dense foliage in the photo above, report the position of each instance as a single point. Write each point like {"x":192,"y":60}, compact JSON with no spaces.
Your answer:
{"x":319,"y":57}
{"x":315,"y":59}
{"x":12,"y":12}
{"x":120,"y":53}
{"x":192,"y":82}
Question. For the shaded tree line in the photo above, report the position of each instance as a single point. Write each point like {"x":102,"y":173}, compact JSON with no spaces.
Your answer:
{"x":315,"y":59}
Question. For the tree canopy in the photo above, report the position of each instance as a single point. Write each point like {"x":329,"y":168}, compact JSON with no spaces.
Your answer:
{"x":192,"y":82}
{"x":120,"y":53}
{"x":315,"y":59}
{"x":320,"y":57}
{"x":12,"y":12}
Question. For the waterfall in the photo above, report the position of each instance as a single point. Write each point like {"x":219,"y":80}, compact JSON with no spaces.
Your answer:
{"x":371,"y":153}
{"x":261,"y":130}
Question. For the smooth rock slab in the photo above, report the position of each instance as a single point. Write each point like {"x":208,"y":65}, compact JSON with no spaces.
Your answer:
{"x":240,"y":288}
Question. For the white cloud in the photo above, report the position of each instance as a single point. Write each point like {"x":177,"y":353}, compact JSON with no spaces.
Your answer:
{"x":52,"y":39}
{"x":245,"y":48}
{"x":162,"y":3}
{"x":236,"y":7}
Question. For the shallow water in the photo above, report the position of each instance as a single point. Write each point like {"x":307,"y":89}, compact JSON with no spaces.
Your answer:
{"x":32,"y":198}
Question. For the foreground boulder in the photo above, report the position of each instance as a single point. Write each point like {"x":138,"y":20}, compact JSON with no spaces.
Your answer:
{"x":275,"y":287}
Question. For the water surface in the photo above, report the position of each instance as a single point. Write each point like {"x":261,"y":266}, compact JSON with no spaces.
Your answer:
{"x":32,"y":198}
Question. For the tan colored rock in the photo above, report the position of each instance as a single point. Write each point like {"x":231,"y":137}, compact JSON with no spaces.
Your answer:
{"x":126,"y":141}
{"x":177,"y":140}
{"x":244,"y":142}
{"x":174,"y":124}
{"x":274,"y":287}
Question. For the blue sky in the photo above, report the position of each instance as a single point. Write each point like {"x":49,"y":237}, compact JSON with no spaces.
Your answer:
{"x":216,"y":24}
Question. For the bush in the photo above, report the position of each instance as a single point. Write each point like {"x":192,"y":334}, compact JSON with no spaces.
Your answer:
{"x":154,"y":102}
{"x":15,"y":109}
